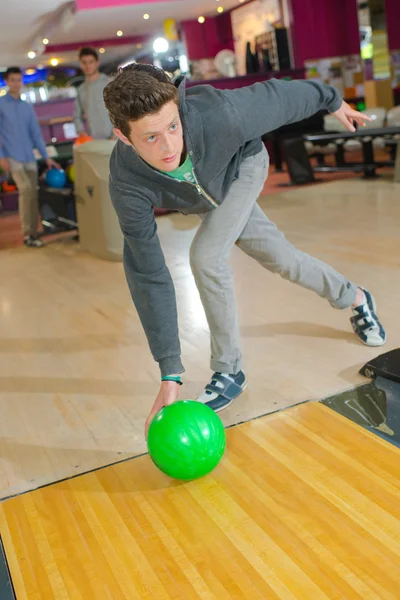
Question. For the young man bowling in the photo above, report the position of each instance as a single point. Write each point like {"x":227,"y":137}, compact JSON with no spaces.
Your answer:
{"x":199,"y":151}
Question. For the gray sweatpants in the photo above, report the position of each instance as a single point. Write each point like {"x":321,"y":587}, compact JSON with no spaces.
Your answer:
{"x":239,"y":220}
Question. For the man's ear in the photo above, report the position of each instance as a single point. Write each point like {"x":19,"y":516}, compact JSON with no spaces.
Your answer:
{"x":122,"y":137}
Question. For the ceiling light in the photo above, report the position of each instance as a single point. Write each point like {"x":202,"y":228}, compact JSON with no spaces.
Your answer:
{"x":31,"y":54}
{"x":119,"y":33}
{"x":45,"y":41}
{"x":54,"y":62}
{"x":102,"y":50}
{"x":220,"y":9}
{"x":201,"y":19}
{"x":160,"y":45}
{"x":30,"y":71}
{"x":146,"y":16}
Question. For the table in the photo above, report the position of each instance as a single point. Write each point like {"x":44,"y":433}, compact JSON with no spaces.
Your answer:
{"x":396,"y":144}
{"x":366,"y":136}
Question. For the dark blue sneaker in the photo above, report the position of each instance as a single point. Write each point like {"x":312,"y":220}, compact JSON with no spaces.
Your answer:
{"x":222,"y":390}
{"x":366,"y":323}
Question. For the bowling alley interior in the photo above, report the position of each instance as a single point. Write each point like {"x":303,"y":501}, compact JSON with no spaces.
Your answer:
{"x":199,"y":332}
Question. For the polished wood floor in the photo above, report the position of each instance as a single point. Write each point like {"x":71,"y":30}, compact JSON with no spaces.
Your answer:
{"x":304,"y":505}
{"x":77,"y":379}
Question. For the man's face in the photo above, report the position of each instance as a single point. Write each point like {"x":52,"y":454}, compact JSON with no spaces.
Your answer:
{"x":89,"y":65}
{"x":158,"y":138}
{"x":14,"y":83}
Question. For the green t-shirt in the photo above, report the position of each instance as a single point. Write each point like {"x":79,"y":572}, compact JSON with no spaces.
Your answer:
{"x":184,"y":172}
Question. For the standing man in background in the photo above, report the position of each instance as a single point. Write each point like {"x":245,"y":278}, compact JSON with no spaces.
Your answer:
{"x":19,"y":134}
{"x":89,"y":104}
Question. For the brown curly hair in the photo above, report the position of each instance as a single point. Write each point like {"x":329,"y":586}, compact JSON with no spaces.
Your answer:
{"x":136,"y":91}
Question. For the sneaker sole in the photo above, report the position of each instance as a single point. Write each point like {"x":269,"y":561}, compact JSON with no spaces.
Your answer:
{"x":230,"y":402}
{"x":373,"y":345}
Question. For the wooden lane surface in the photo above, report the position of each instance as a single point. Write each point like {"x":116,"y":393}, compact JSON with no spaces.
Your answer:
{"x":305,"y":505}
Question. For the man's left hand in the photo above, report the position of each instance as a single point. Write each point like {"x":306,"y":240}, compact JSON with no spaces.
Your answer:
{"x":52,"y":164}
{"x":347,"y":116}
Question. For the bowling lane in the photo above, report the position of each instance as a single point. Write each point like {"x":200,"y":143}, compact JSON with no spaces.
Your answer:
{"x":304,"y":504}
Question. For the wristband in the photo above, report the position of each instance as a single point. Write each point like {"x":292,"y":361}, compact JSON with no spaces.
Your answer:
{"x":172,"y":378}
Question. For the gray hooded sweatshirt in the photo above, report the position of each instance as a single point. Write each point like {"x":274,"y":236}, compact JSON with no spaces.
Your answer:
{"x":221,"y":128}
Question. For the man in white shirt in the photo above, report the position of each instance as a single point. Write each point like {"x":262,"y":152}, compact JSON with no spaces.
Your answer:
{"x":89,"y":104}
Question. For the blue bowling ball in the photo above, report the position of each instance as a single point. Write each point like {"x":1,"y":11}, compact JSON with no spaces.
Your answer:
{"x":56,"y":178}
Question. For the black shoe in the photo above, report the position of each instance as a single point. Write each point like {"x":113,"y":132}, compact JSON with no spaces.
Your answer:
{"x":222,"y":390}
{"x":33,"y":241}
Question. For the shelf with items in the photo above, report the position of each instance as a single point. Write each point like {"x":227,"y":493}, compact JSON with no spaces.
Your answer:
{"x":273,"y":50}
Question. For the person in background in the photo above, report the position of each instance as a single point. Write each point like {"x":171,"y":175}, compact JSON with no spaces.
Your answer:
{"x":89,"y":104}
{"x":19,"y":134}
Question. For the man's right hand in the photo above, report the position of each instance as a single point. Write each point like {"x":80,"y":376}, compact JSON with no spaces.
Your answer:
{"x":346,"y":115}
{"x":168,"y":394}
{"x":5,"y":165}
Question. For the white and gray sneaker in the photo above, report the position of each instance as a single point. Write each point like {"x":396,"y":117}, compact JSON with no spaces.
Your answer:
{"x":33,"y":241}
{"x":222,"y":390}
{"x":366,"y":323}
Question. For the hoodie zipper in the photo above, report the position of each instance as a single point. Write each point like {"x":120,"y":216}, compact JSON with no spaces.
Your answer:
{"x":201,"y":190}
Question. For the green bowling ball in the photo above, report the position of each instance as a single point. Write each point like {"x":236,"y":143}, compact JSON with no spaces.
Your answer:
{"x":186,"y":440}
